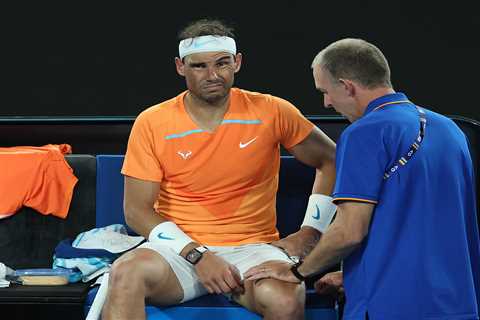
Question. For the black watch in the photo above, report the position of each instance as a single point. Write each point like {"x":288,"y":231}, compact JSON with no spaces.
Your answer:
{"x":193,"y":256}
{"x":295,"y":271}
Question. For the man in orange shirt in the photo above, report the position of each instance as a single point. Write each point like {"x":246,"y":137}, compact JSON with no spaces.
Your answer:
{"x":201,"y":176}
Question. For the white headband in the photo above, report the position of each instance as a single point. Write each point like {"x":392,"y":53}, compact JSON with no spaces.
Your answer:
{"x":206,"y":44}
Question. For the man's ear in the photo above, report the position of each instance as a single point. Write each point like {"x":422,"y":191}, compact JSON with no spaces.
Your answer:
{"x":238,"y":62}
{"x":180,"y":66}
{"x":349,"y":86}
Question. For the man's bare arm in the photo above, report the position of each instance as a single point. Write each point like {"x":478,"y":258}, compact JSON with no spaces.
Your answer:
{"x":139,"y":197}
{"x":318,"y":151}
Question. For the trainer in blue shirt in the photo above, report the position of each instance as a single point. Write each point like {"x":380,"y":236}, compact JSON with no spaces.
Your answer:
{"x":406,"y":223}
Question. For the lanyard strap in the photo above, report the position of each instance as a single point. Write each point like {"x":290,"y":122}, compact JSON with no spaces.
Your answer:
{"x":414,"y":147}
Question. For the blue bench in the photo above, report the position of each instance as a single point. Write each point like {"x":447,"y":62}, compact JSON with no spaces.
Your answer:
{"x":294,"y":188}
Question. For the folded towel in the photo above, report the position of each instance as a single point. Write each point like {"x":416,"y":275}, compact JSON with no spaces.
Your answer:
{"x":92,"y":252}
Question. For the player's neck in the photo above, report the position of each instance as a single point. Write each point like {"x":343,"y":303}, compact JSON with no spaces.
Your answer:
{"x":207,"y":116}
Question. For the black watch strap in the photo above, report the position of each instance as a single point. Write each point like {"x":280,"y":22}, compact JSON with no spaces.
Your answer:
{"x":295,"y":272}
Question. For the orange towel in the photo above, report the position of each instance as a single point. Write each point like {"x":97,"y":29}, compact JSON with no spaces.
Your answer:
{"x":36,"y":177}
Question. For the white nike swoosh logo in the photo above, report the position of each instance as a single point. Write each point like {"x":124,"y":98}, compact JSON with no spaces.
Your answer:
{"x":243,"y":145}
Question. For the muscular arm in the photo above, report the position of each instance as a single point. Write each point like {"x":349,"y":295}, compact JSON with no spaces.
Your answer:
{"x":318,"y":151}
{"x":139,"y":197}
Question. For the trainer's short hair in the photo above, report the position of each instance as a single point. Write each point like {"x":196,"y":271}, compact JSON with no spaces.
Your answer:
{"x":356,"y":60}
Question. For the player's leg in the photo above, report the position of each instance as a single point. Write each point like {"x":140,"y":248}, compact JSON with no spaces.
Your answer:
{"x":271,"y":298}
{"x":274,"y":299}
{"x":149,"y":273}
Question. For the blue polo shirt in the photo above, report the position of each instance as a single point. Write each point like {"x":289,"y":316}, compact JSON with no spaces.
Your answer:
{"x":421,"y":257}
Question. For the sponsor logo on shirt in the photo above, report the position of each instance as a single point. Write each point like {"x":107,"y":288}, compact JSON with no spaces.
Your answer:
{"x":184,"y":154}
{"x":244,"y":145}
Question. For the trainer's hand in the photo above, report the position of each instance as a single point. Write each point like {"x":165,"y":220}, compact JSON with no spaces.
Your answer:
{"x":271,"y":269}
{"x":299,"y":243}
{"x":331,"y":283}
{"x":217,"y":275}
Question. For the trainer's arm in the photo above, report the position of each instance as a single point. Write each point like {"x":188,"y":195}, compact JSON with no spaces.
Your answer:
{"x":344,"y":235}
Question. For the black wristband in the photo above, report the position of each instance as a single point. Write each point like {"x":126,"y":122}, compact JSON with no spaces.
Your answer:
{"x":295,"y":272}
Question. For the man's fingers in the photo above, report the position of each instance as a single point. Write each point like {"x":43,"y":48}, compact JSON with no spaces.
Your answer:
{"x":212,"y":286}
{"x":232,"y":278}
{"x":223,"y":286}
{"x":258,"y":272}
{"x":236,"y":276}
{"x":209,"y":288}
{"x":281,"y":245}
{"x":327,"y":286}
{"x":250,"y":273}
{"x":254,"y":270}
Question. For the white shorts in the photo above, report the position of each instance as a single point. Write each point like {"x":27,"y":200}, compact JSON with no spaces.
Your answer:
{"x":243,"y":257}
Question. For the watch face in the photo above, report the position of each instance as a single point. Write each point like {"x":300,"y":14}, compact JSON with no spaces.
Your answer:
{"x":193,"y":256}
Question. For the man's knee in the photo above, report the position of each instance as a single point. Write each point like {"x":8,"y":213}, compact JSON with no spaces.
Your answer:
{"x":278,"y":297}
{"x":132,"y":270}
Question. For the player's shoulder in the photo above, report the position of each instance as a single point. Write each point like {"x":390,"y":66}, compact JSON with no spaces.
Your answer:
{"x":252,"y":96}
{"x":261,"y":99}
{"x":160,"y":113}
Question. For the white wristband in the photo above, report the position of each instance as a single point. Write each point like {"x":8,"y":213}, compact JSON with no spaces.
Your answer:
{"x":320,"y":212}
{"x":170,"y":235}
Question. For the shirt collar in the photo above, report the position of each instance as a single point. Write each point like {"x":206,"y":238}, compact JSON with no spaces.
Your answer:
{"x":388,"y":98}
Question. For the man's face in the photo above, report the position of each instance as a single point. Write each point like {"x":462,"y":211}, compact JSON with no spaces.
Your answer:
{"x":335,"y":94}
{"x":209,"y":76}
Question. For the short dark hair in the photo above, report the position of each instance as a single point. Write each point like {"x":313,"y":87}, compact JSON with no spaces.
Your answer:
{"x":205,"y":27}
{"x":357,"y":60}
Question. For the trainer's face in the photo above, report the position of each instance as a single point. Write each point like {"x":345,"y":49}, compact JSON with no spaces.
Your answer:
{"x":209,"y":75}
{"x":335,"y":94}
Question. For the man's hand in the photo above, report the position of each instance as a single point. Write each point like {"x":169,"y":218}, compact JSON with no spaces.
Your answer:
{"x":217,"y":275}
{"x":299,"y":243}
{"x":271,"y":269}
{"x":331,"y":283}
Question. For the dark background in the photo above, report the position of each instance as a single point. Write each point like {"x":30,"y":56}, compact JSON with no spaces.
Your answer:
{"x":109,"y":59}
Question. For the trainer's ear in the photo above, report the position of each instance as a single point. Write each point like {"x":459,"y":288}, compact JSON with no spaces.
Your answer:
{"x":349,"y":86}
{"x":180,"y":66}
{"x":238,"y":62}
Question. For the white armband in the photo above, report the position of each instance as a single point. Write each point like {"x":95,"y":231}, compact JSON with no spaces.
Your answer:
{"x":320,"y":212}
{"x":170,"y":235}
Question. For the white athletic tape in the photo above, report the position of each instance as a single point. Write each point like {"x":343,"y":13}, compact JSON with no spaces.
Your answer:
{"x":170,"y":235}
{"x":206,"y":44}
{"x":320,"y":212}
